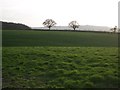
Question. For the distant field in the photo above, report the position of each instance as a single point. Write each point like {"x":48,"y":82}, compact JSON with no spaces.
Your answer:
{"x":59,"y":59}
{"x":58,"y":67}
{"x":58,"y":38}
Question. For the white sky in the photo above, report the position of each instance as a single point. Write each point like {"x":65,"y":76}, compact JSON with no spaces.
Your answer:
{"x":85,"y":12}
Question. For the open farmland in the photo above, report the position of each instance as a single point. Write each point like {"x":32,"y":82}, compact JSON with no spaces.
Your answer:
{"x":54,"y":59}
{"x":58,"y":38}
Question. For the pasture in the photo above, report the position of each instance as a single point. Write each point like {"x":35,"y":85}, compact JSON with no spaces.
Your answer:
{"x":58,"y":59}
{"x":58,"y":38}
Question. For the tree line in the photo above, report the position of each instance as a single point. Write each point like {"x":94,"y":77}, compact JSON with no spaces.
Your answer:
{"x":73,"y":24}
{"x":47,"y":23}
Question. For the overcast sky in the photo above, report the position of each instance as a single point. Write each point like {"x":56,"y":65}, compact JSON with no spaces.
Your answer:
{"x":85,"y":12}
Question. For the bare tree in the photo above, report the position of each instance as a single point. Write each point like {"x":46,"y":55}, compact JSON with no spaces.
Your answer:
{"x":74,"y":24}
{"x":114,"y":29}
{"x":49,"y":23}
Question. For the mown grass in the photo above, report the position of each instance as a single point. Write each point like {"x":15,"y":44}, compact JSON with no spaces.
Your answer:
{"x":60,"y":67}
{"x":58,"y":38}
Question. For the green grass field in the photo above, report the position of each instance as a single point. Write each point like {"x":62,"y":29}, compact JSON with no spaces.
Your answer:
{"x":51,"y":59}
{"x":58,"y":38}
